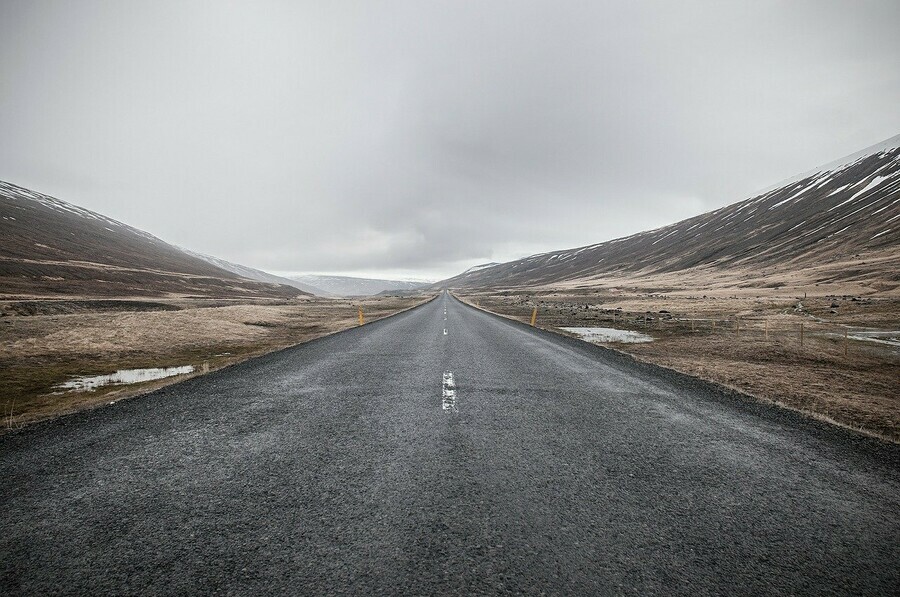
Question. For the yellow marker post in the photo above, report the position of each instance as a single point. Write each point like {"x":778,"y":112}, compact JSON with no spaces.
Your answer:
{"x":533,"y":316}
{"x":361,"y":318}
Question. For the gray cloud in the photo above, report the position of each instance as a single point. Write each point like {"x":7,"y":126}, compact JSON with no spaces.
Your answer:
{"x":424,"y":137}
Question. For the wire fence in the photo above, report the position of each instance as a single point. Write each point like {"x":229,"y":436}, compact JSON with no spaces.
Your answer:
{"x":785,"y":330}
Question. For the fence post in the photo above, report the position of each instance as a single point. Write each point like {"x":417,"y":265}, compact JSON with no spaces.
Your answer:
{"x":801,"y":333}
{"x":846,"y":342}
{"x":767,"y":330}
{"x":737,"y":327}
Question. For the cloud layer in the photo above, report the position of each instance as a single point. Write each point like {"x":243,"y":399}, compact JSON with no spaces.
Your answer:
{"x":424,"y":137}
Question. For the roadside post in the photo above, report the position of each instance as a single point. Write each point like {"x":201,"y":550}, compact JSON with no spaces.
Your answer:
{"x":533,"y":316}
{"x":361,"y":318}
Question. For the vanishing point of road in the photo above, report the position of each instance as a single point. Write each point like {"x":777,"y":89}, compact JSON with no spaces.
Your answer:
{"x":446,"y":451}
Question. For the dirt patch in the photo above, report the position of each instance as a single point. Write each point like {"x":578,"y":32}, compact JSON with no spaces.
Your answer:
{"x":40,"y":351}
{"x":67,"y":307}
{"x":803,"y":352}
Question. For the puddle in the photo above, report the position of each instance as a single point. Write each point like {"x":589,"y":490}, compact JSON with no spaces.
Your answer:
{"x":881,"y":337}
{"x":609,"y":335}
{"x":123,"y":377}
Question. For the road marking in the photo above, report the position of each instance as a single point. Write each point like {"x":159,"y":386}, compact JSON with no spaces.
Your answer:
{"x":448,"y":401}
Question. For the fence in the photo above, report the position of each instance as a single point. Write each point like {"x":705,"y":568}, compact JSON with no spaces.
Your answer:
{"x":788,"y":330}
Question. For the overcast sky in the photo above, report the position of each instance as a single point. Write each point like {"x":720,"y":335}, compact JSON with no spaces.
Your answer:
{"x":420,"y":138}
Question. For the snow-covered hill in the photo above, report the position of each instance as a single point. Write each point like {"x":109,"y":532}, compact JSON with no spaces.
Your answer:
{"x":838,"y":222}
{"x":255,"y":274}
{"x":349,"y":286}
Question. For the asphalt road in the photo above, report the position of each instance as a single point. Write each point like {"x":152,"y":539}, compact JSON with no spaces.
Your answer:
{"x":557,"y":467}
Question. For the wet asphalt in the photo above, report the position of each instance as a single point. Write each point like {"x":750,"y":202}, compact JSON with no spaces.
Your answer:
{"x":333,"y":468}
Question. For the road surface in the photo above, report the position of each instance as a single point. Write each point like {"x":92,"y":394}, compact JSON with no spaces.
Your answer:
{"x":353,"y":464}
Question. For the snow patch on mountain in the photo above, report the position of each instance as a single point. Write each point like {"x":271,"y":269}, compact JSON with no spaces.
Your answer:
{"x":478,"y":268}
{"x":885,"y":146}
{"x":16,"y":192}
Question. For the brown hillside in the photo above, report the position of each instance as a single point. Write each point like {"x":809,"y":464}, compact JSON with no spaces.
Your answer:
{"x":50,"y":247}
{"x":836,"y":226}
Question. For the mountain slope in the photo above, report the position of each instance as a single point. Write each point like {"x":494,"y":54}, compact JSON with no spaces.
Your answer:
{"x":255,"y":274}
{"x":837,"y":224}
{"x":49,"y":246}
{"x":349,"y":286}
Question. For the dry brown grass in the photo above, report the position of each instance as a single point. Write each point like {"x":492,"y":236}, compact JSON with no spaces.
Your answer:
{"x":38,"y":352}
{"x":722,"y":338}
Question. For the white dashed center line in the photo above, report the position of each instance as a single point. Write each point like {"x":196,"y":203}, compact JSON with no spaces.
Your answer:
{"x":449,"y":393}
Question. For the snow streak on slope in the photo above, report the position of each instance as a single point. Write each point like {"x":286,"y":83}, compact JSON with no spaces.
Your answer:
{"x":827,"y":216}
{"x":885,"y":146}
{"x":476,"y":268}
{"x":12,"y":191}
{"x":255,"y":274}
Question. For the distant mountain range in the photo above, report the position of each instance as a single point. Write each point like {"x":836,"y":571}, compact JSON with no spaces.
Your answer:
{"x":348,"y":286}
{"x":256,"y":274}
{"x":836,"y":225}
{"x":51,"y":247}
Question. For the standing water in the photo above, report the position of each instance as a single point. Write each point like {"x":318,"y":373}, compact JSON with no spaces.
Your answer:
{"x":609,"y":335}
{"x":124,"y":376}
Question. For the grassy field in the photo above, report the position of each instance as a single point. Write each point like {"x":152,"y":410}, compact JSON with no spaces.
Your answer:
{"x":748,"y":342}
{"x":46,"y":342}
